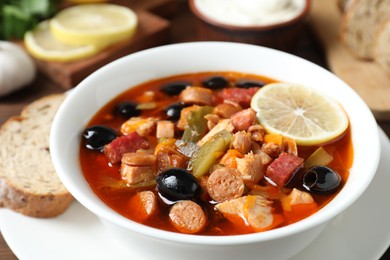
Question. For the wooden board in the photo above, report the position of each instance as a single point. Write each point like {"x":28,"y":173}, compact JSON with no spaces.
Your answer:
{"x":152,"y":31}
{"x":367,"y":78}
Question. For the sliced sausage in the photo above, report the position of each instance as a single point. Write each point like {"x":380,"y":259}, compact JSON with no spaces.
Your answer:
{"x":238,"y":95}
{"x":283,"y":168}
{"x":124,"y":144}
{"x":226,"y":109}
{"x":139,"y":159}
{"x":187,"y":216}
{"x":225,"y":184}
{"x":197,"y":95}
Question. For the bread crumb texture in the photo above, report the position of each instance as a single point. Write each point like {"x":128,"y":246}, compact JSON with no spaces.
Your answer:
{"x":28,"y":181}
{"x":361,"y":23}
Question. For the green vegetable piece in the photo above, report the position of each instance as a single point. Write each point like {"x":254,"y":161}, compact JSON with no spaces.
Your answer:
{"x":196,"y":124}
{"x":19,"y":16}
{"x":318,"y":157}
{"x":15,"y":22}
{"x":209,"y":152}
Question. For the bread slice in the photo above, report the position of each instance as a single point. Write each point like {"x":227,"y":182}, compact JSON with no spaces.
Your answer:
{"x":360,"y":25}
{"x":344,"y":5}
{"x":28,"y":181}
{"x":382,"y":46}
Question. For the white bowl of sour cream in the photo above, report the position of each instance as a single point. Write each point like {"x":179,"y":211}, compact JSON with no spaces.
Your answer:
{"x":274,"y":24}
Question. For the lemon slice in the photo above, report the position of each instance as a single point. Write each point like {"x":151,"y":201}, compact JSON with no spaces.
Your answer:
{"x":97,"y":24}
{"x":41,"y":44}
{"x":299,"y":112}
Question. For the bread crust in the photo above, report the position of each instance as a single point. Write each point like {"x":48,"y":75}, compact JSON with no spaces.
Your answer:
{"x":382,"y":46}
{"x":28,"y":182}
{"x":360,"y":23}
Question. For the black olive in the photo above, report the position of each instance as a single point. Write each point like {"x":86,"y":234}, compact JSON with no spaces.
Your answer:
{"x":177,"y":184}
{"x":173,"y":111}
{"x":216,"y":82}
{"x":249,"y":83}
{"x":174,"y":88}
{"x":96,"y":137}
{"x":127,"y":109}
{"x":321,"y":179}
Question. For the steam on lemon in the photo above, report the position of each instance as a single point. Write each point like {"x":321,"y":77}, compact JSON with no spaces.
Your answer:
{"x":299,"y":112}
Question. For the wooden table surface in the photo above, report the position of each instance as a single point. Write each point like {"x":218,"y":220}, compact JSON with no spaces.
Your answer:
{"x":182,"y":30}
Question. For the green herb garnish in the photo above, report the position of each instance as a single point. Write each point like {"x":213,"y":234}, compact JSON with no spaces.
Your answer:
{"x":19,"y":16}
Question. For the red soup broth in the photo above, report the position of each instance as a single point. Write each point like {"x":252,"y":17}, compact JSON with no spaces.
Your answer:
{"x":106,"y":181}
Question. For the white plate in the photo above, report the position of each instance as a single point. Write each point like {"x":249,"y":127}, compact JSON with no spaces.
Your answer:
{"x":361,"y":232}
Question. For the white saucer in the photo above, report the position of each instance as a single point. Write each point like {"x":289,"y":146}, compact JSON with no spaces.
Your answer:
{"x":361,"y":232}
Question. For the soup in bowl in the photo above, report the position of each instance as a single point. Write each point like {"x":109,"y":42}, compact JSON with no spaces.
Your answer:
{"x":174,"y":150}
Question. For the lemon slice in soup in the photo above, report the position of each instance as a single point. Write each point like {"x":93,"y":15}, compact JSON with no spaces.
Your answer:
{"x":299,"y":112}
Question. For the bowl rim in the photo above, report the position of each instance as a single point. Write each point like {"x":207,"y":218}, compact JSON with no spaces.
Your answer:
{"x":249,"y":28}
{"x":106,"y":213}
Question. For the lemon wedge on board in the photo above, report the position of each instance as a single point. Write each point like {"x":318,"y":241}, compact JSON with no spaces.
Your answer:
{"x":299,"y":112}
{"x":97,"y":24}
{"x":41,"y":44}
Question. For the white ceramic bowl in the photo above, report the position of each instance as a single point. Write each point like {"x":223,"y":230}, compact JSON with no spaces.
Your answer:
{"x":100,"y":87}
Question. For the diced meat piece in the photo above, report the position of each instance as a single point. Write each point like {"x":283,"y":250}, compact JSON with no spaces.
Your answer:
{"x":181,"y":124}
{"x":227,"y":109}
{"x":212,"y":120}
{"x":145,"y":204}
{"x":124,"y":144}
{"x":252,"y":210}
{"x":166,"y":161}
{"x":224,"y":124}
{"x":143,"y":126}
{"x":187,"y":216}
{"x":257,"y":132}
{"x":168,"y":156}
{"x":238,"y":95}
{"x":165,"y":129}
{"x":197,"y":95}
{"x":225,"y":184}
{"x":298,"y":205}
{"x":139,"y":159}
{"x":242,"y":142}
{"x":252,"y":167}
{"x":244,"y":119}
{"x":274,"y":144}
{"x":282,"y":169}
{"x":137,"y":174}
{"x":256,"y":148}
{"x":296,"y":197}
{"x":272,"y":149}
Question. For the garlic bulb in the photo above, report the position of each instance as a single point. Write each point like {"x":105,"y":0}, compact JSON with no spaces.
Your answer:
{"x":16,"y":68}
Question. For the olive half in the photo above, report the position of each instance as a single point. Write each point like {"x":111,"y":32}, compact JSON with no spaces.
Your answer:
{"x":321,"y":180}
{"x":97,"y":136}
{"x":177,"y":184}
